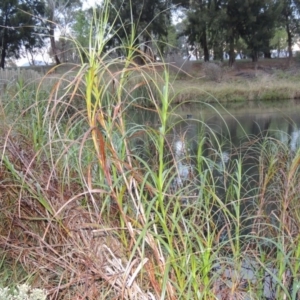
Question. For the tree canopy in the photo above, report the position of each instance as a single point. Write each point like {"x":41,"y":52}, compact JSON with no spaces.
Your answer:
{"x":212,"y":26}
{"x":218,"y":25}
{"x":142,"y":20}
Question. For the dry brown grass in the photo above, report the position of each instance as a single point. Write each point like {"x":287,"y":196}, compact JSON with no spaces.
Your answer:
{"x":64,"y":246}
{"x":262,"y":87}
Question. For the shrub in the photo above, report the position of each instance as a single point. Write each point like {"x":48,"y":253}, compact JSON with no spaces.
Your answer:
{"x":213,"y":71}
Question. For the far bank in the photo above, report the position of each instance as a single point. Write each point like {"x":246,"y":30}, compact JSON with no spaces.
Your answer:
{"x":268,"y":79}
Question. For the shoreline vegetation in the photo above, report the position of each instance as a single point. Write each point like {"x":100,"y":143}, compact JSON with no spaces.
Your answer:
{"x":97,"y":206}
{"x":268,"y":79}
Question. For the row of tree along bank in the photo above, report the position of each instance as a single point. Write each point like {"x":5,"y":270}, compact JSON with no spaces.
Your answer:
{"x":211,"y":26}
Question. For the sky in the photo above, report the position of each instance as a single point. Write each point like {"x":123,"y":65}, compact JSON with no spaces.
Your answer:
{"x":89,"y":3}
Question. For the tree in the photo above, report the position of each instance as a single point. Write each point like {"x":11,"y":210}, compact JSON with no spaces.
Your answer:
{"x":19,"y":28}
{"x":290,"y":20}
{"x":206,"y":19}
{"x":217,"y":24}
{"x":196,"y":29}
{"x":65,"y":50}
{"x":258,"y":27}
{"x":175,"y":41}
{"x":233,"y":22}
{"x":80,"y":29}
{"x":280,"y":40}
{"x":140,"y":20}
{"x":217,"y":28}
{"x":59,"y":13}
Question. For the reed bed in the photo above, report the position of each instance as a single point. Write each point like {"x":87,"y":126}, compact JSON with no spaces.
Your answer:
{"x":97,"y":206}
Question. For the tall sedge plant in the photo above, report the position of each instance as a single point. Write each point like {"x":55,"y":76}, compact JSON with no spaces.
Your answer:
{"x":105,"y":121}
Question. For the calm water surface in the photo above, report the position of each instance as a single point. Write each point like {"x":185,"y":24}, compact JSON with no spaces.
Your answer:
{"x":235,"y":122}
{"x":226,"y":129}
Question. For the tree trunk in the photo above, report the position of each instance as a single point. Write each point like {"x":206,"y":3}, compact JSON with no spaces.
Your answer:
{"x":3,"y":45}
{"x":231,"y":52}
{"x":267,"y":54}
{"x":286,"y":14}
{"x":3,"y":55}
{"x":206,"y":53}
{"x":254,"y":56}
{"x":64,"y":54}
{"x":289,"y":39}
{"x":204,"y":46}
{"x":148,"y":48}
{"x":53,"y":45}
{"x":197,"y":53}
{"x":218,"y":52}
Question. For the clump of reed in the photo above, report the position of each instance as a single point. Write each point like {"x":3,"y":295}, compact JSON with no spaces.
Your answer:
{"x":97,"y":206}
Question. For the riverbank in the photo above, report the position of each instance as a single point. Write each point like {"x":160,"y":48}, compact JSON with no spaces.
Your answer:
{"x":268,"y":79}
{"x":274,"y":79}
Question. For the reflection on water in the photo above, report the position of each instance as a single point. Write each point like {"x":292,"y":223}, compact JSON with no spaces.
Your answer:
{"x":294,"y":143}
{"x":280,"y":120}
{"x":184,"y":170}
{"x":234,"y":123}
{"x":224,"y":131}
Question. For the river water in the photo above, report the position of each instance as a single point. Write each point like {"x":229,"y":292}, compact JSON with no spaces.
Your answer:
{"x":234,"y":121}
{"x":226,"y":127}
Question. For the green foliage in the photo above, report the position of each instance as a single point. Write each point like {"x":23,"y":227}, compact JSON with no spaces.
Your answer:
{"x":19,"y":27}
{"x":206,"y":26}
{"x":81,"y":27}
{"x":171,"y":42}
{"x":270,"y":94}
{"x":145,"y":20}
{"x":218,"y":25}
{"x":259,"y":24}
{"x":279,"y":41}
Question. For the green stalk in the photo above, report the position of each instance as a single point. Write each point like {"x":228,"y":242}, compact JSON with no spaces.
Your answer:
{"x":295,"y":267}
